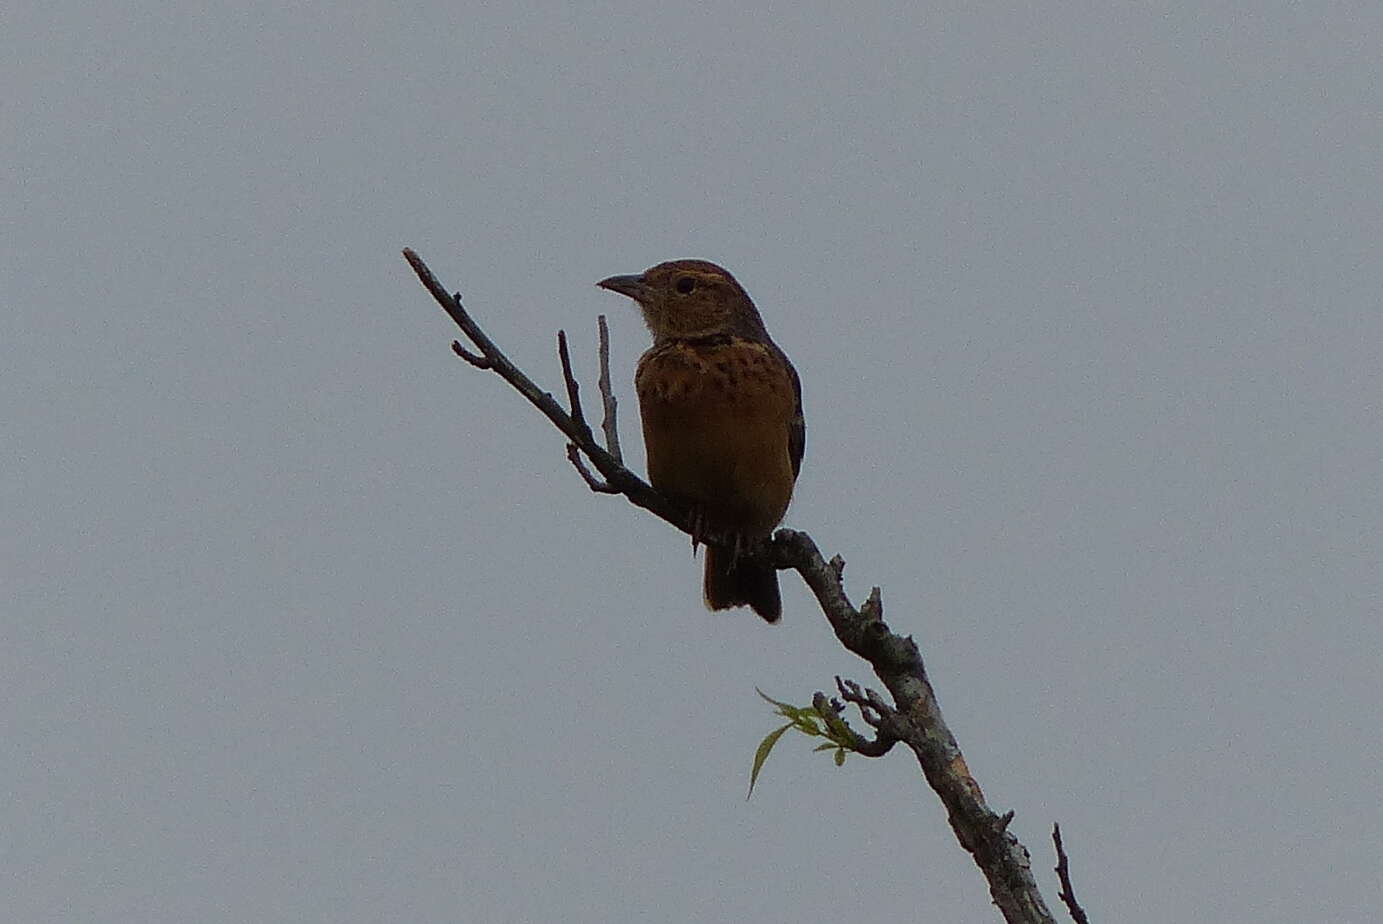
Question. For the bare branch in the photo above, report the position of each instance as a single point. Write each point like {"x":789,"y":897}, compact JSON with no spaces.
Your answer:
{"x":877,"y":747}
{"x":871,"y":705}
{"x":1063,"y":872}
{"x":594,"y":483}
{"x":915,"y":718}
{"x":609,"y":421}
{"x":480,"y":362}
{"x":573,"y":389}
{"x":639,"y":492}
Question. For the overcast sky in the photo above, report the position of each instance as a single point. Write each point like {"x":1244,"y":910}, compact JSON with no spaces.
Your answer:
{"x":305,"y":620}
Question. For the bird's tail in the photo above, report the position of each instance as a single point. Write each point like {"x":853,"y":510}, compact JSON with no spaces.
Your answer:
{"x":738,"y":583}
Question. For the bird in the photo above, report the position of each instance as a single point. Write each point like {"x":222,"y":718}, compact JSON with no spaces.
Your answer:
{"x":721,"y":408}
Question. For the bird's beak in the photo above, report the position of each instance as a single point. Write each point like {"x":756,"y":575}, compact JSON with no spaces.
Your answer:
{"x":632,"y":286}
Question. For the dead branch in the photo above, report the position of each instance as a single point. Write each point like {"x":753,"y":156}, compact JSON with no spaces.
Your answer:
{"x":877,"y":747}
{"x":915,"y":718}
{"x":1063,"y":872}
{"x":608,"y":422}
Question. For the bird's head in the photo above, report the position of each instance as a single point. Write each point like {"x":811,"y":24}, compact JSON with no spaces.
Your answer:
{"x":686,"y":299}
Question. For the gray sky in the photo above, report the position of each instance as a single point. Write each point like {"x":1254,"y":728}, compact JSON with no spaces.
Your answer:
{"x":303,"y":619}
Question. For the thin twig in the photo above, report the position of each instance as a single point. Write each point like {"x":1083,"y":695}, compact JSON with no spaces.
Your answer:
{"x":573,"y":389}
{"x":871,"y":705}
{"x":634,"y":488}
{"x":480,"y":362}
{"x":609,"y":422}
{"x":1063,"y":872}
{"x":867,"y":747}
{"x":594,"y":483}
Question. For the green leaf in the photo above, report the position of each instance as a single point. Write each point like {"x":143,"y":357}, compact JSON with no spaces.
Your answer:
{"x":761,"y":755}
{"x":840,"y":756}
{"x":772,"y":700}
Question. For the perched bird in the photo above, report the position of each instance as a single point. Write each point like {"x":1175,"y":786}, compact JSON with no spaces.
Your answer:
{"x":722,"y":419}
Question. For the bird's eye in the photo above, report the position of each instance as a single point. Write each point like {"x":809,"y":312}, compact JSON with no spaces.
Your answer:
{"x":685,"y":285}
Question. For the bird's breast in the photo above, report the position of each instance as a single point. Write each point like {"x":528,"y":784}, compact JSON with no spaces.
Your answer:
{"x":716,"y":422}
